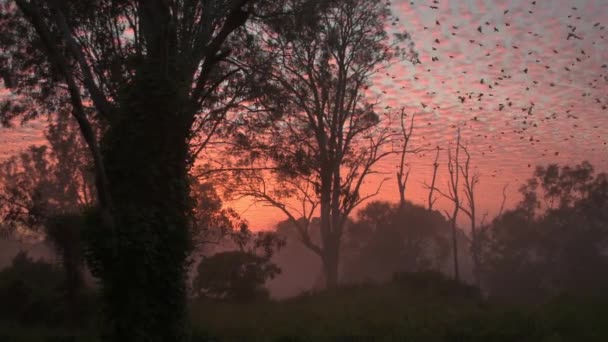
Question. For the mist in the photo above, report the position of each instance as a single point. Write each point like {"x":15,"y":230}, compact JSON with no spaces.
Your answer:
{"x":303,"y":170}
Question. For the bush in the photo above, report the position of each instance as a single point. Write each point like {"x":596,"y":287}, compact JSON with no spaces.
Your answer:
{"x":235,"y":275}
{"x":29,"y":292}
{"x":436,"y":282}
{"x":32,"y":293}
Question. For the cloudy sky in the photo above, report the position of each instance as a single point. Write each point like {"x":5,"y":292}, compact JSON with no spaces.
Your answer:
{"x":526,"y":58}
{"x":526,"y":81}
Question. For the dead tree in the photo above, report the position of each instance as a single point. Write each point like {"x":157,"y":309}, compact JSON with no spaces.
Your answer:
{"x":402,"y":174}
{"x":470,"y":181}
{"x":432,"y":200}
{"x":453,"y":195}
{"x":461,"y":172}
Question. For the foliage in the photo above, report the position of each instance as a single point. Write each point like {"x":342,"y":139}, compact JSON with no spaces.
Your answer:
{"x":555,"y":240}
{"x":422,"y":307}
{"x":33,"y":294}
{"x":313,"y":129}
{"x":389,"y":238}
{"x":142,"y":79}
{"x":235,"y":275}
{"x":210,"y":222}
{"x":65,"y":233}
{"x":42,"y":191}
{"x":44,"y":181}
{"x":435,"y":282}
{"x":24,"y":299}
{"x":239,"y":275}
{"x":415,"y":306}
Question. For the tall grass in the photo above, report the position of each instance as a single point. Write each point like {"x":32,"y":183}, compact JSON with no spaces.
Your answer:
{"x":413,"y":307}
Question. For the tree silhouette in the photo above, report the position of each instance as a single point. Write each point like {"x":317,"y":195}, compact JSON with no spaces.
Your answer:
{"x":390,"y":238}
{"x":44,"y":191}
{"x":470,"y":180}
{"x":146,"y":73}
{"x":402,"y":174}
{"x":315,"y":125}
{"x":240,"y":274}
{"x":454,"y":196}
{"x":45,"y":181}
{"x":404,"y":168}
{"x":555,"y":239}
{"x":431,"y":199}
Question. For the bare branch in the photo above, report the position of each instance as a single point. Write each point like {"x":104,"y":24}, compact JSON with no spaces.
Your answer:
{"x":99,"y":99}
{"x":33,"y":14}
{"x":431,"y":201}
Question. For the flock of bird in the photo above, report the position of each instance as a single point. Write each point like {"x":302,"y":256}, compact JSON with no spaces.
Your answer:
{"x":529,"y":83}
{"x":519,"y":94}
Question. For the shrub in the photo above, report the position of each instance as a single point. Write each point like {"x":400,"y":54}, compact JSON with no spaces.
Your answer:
{"x":235,"y":275}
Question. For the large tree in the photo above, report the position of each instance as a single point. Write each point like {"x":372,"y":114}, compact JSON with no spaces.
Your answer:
{"x":315,"y":129}
{"x":48,"y":180}
{"x":555,"y":240}
{"x":148,"y":74}
{"x":388,"y":238}
{"x":43,"y":191}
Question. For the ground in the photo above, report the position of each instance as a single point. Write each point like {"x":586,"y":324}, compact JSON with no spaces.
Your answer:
{"x":412,"y":309}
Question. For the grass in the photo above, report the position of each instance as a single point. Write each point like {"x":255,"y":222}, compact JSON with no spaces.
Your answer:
{"x":412,"y":308}
{"x":403,"y":311}
{"x":10,"y":332}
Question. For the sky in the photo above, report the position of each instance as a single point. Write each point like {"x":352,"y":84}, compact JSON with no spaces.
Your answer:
{"x":547,"y":58}
{"x":523,"y":55}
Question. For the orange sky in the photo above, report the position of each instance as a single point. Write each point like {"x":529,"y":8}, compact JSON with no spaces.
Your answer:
{"x":528,"y":49}
{"x":524,"y":55}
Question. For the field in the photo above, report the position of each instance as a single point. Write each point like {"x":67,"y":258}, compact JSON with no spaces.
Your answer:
{"x":413,"y":309}
{"x":404,"y":312}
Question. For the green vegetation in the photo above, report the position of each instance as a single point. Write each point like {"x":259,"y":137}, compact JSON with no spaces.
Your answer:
{"x":412,"y":307}
{"x":418,"y":307}
{"x":157,"y":110}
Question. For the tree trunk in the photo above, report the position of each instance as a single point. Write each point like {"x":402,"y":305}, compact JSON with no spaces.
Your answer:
{"x":330,"y":239}
{"x":455,"y":249}
{"x":331,"y":261}
{"x":475,"y":249}
{"x":63,"y":231}
{"x":146,"y":155}
{"x":74,"y":283}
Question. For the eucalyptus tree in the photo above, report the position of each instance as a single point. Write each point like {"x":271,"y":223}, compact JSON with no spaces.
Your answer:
{"x":146,"y":76}
{"x":555,"y":239}
{"x":315,"y":132}
{"x":43,"y":192}
{"x":45,"y":181}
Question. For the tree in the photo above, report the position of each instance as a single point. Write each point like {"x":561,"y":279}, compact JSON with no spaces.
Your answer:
{"x":146,"y":73}
{"x":314,"y":129}
{"x":211,"y":223}
{"x":390,"y":238}
{"x":64,"y":231}
{"x":461,"y":171}
{"x":301,"y":269}
{"x":555,"y":240}
{"x":44,"y":181}
{"x":44,"y":191}
{"x":30,"y":292}
{"x":240,"y":274}
{"x":402,"y":174}
{"x":454,"y":196}
{"x":406,"y":130}
{"x":470,"y":180}
{"x":431,"y":199}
